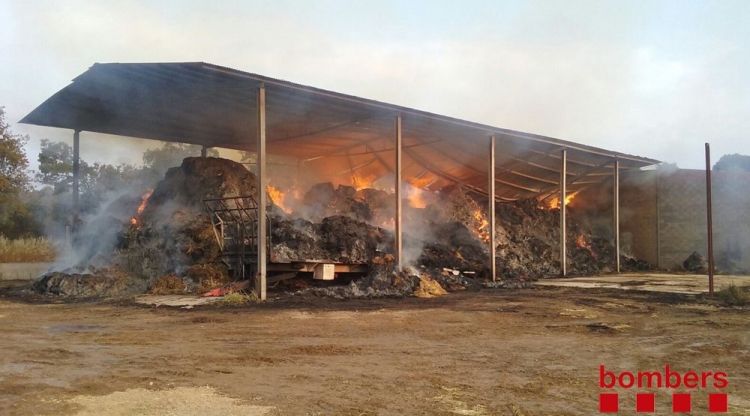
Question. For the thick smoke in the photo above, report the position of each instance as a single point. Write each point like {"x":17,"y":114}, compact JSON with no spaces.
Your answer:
{"x":98,"y":233}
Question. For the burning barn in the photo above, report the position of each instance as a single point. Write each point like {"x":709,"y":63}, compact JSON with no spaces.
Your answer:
{"x":339,"y":185}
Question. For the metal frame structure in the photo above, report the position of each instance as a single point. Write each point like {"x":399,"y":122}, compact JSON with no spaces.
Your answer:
{"x":214,"y":106}
{"x":234,"y":222}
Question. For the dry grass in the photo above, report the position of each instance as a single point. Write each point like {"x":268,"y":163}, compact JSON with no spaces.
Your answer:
{"x":236,"y":299}
{"x":734,"y":296}
{"x":26,"y":250}
{"x":168,"y":285}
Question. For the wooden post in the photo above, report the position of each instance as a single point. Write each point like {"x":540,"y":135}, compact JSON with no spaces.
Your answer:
{"x":397,"y":220}
{"x":491,"y":207}
{"x":260,"y":278}
{"x":76,"y":177}
{"x":563,"y":228}
{"x":616,"y":212}
{"x":204,"y":151}
{"x":709,"y":222}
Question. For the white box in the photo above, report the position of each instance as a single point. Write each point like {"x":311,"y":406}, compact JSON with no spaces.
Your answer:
{"x":324,"y":271}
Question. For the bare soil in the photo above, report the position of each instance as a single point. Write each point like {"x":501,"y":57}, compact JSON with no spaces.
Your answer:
{"x":508,"y":352}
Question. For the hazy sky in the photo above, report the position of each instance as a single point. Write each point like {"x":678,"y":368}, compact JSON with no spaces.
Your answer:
{"x":650,"y":78}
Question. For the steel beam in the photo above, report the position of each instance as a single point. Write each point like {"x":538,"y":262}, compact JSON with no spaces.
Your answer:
{"x":616,"y":212}
{"x":397,"y":220}
{"x":260,"y":278}
{"x":709,"y":222}
{"x":437,"y":172}
{"x":547,"y":193}
{"x":422,"y":114}
{"x":563,"y":228}
{"x":491,"y":206}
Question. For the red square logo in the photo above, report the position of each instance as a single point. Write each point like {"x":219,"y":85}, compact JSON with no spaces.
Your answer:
{"x":609,"y":402}
{"x":681,"y":402}
{"x":645,"y":402}
{"x":717,"y":402}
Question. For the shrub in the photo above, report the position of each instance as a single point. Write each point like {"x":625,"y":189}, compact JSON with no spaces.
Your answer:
{"x":734,"y":296}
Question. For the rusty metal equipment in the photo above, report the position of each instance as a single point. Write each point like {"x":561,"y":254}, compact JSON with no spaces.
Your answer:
{"x":235,"y":226}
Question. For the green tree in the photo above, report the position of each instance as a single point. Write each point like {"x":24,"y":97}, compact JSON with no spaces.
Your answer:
{"x":56,"y":165}
{"x":15,"y":218}
{"x":14,"y":176}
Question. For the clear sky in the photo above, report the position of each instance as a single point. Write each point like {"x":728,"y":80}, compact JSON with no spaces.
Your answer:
{"x":653,"y":78}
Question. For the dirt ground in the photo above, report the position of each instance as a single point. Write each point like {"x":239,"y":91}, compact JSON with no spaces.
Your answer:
{"x":508,"y":352}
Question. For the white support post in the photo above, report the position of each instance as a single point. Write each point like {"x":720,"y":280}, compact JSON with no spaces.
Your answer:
{"x":616,"y":212}
{"x":260,"y":278}
{"x":491,"y":207}
{"x":563,"y":228}
{"x":397,"y":220}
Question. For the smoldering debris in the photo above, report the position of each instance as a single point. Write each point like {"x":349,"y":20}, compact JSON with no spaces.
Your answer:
{"x":695,"y":263}
{"x":169,"y":243}
{"x":95,"y":283}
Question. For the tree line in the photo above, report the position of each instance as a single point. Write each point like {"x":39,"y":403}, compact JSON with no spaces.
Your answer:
{"x":37,"y":203}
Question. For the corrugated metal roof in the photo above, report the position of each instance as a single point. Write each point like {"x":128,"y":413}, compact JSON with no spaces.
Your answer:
{"x":215,"y":106}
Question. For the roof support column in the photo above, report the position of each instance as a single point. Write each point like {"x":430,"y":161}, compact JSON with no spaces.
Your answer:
{"x":616,"y":212}
{"x":398,"y":245}
{"x":76,"y":177}
{"x":260,"y":277}
{"x":204,"y":151}
{"x":491,"y":206}
{"x":709,"y":222}
{"x":563,"y":228}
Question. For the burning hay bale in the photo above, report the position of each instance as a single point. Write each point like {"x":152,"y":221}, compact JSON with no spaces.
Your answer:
{"x":170,"y":244}
{"x":168,"y":234}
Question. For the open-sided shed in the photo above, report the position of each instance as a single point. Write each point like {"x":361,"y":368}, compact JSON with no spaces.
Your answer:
{"x":215,"y":106}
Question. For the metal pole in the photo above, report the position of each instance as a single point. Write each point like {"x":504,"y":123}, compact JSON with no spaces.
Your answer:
{"x":260,"y":279}
{"x":616,"y":212}
{"x":76,"y":177}
{"x":563,"y":194}
{"x":657,"y":189}
{"x":709,"y":222}
{"x":491,"y":207}
{"x":204,"y":151}
{"x":398,"y":229}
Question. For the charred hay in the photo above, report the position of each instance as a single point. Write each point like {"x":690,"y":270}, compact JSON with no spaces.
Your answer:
{"x":172,"y":239}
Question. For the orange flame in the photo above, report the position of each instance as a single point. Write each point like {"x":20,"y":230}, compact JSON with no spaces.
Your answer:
{"x":416,"y":197}
{"x":278,"y":197}
{"x":555,"y":202}
{"x":481,"y":223}
{"x":416,"y":193}
{"x":362,"y":182}
{"x":144,"y":201}
{"x":388,"y":224}
{"x":583,"y":243}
